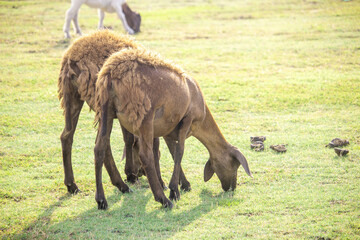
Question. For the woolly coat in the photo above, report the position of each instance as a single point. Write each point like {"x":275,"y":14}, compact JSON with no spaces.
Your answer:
{"x":128,"y":77}
{"x":83,"y":60}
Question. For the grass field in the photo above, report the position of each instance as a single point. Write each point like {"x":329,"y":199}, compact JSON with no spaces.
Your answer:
{"x":289,"y":70}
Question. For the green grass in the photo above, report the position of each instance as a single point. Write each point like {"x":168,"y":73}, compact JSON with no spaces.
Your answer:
{"x":288,"y":70}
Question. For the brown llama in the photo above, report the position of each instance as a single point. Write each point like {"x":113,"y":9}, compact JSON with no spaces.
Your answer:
{"x":76,"y":84}
{"x":152,"y":97}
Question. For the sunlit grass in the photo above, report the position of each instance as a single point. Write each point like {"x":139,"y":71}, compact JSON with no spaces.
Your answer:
{"x":288,"y":70}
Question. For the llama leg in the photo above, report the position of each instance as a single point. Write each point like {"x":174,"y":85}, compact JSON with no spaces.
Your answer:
{"x":178,"y":151}
{"x":131,"y":169}
{"x":114,"y":174}
{"x":136,"y":164}
{"x":70,"y":14}
{"x":76,"y":24}
{"x":100,"y":151}
{"x":182,"y":132}
{"x":73,"y":107}
{"x":185,"y":184}
{"x":137,"y":168}
{"x":146,"y":138}
{"x":121,"y":15}
{"x":101,"y":18}
{"x":156,"y":151}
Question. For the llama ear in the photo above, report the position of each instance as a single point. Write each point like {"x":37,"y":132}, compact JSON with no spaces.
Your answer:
{"x":242,"y":160}
{"x":208,"y":171}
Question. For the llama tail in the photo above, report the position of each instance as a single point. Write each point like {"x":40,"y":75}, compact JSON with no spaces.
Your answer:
{"x":64,"y":85}
{"x":103,"y":86}
{"x":61,"y":80}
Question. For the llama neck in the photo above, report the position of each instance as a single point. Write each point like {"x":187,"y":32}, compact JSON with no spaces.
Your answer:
{"x":210,"y":135}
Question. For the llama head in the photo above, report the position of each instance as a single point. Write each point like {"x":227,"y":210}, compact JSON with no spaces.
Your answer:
{"x":133,"y":19}
{"x":226,"y":167}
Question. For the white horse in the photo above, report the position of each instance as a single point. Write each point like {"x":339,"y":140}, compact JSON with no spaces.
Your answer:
{"x":131,"y":20}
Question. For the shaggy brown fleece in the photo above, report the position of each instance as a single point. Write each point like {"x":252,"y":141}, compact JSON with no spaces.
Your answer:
{"x":121,"y":73}
{"x":83,"y":60}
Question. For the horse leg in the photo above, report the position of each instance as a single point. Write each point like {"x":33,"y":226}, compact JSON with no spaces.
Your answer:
{"x":70,"y":15}
{"x":101,"y":18}
{"x":72,"y":109}
{"x":76,"y":24}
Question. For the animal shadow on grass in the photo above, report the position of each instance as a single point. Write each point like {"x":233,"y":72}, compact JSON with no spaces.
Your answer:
{"x":42,"y":220}
{"x":130,"y":220}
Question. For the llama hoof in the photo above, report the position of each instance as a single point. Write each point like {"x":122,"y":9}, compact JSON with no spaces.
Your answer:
{"x":126,"y":190}
{"x":186,"y":187}
{"x":102,"y":205}
{"x":174,"y":195}
{"x":257,"y":146}
{"x":341,"y":152}
{"x":164,"y":187}
{"x":168,"y":204}
{"x":279,"y":148}
{"x":337,"y":142}
{"x":73,"y":189}
{"x":129,"y":190}
{"x":141,"y":173}
{"x":257,"y":139}
{"x":132,"y":178}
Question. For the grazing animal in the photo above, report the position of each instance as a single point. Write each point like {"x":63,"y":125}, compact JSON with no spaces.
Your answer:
{"x":76,"y":84}
{"x":152,"y":97}
{"x":131,"y":20}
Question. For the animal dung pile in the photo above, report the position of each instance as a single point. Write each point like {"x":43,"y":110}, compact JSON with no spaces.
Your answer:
{"x":258,"y":138}
{"x":336,"y":143}
{"x":341,"y":152}
{"x":257,"y":143}
{"x":279,"y":148}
